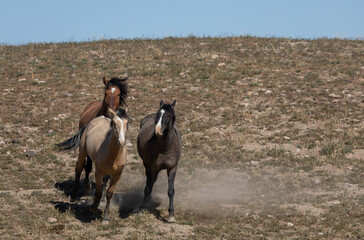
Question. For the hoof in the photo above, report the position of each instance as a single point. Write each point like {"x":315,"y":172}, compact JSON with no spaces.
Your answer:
{"x":105,"y":222}
{"x":171,"y":219}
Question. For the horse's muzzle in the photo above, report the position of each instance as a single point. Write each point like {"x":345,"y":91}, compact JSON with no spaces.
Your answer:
{"x":159,"y":131}
{"x":121,"y":144}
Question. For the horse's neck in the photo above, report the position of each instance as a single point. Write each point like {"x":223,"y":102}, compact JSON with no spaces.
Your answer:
{"x":103,"y":110}
{"x":166,"y":140}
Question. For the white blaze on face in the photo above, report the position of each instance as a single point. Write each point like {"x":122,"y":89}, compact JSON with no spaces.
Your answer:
{"x":121,"y":137}
{"x":113,"y":90}
{"x":158,"y":127}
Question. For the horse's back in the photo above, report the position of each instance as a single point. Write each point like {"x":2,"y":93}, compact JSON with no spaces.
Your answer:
{"x":146,"y":131}
{"x":90,"y":112}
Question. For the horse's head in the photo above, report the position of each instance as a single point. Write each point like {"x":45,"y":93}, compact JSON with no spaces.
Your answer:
{"x":115,"y":92}
{"x":119,"y":124}
{"x":165,"y":118}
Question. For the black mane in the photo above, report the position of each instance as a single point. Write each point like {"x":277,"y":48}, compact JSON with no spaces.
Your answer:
{"x":168,"y":108}
{"x":123,"y":87}
{"x":121,"y":113}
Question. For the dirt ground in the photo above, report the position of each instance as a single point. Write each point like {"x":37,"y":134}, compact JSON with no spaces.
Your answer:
{"x":272,"y":129}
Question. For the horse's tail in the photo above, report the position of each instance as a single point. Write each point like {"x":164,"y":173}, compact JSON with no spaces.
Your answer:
{"x":73,"y":142}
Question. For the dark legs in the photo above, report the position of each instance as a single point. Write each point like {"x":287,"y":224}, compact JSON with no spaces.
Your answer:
{"x":109,"y":193}
{"x":171,"y":176}
{"x":98,"y":194}
{"x":88,"y":169}
{"x":151,"y":178}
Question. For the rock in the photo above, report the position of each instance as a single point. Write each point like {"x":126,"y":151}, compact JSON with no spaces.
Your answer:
{"x":333,"y":95}
{"x":290,"y":224}
{"x":332,"y":203}
{"x":214,"y":56}
{"x":268,"y":92}
{"x":30,"y":153}
{"x":255,"y":163}
{"x":51,"y":220}
{"x":15,"y":140}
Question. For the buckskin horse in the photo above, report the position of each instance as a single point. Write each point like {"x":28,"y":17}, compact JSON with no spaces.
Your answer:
{"x":103,"y":140}
{"x":116,"y":92}
{"x":160,"y":147}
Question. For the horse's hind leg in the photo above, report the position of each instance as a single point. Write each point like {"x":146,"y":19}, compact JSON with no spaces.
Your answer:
{"x":79,"y":166}
{"x":110,"y":191}
{"x":98,"y":193}
{"x":171,"y":176}
{"x":88,"y":169}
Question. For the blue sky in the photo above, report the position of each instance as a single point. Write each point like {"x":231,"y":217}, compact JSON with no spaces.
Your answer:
{"x":25,"y":21}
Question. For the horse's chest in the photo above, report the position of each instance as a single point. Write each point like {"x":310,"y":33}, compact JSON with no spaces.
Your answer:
{"x":164,"y":161}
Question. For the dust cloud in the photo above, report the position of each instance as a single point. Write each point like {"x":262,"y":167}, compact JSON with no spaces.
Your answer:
{"x":203,"y":190}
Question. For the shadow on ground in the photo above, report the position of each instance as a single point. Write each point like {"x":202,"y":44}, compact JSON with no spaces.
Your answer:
{"x":81,"y":211}
{"x":131,"y":202}
{"x":128,"y":203}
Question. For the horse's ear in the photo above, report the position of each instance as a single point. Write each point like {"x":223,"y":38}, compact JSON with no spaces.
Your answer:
{"x":105,"y":81}
{"x":161,"y":103}
{"x":173,"y":104}
{"x":125,"y":79}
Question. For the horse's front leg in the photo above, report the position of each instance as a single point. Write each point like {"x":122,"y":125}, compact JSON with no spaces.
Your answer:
{"x":98,"y":192}
{"x":171,"y":176}
{"x":151,"y":178}
{"x":110,"y":191}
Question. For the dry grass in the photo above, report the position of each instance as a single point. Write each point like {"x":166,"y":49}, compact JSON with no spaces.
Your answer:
{"x":272,"y":132}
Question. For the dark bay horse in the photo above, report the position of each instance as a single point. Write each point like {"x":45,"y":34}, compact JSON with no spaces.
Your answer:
{"x":103,"y":140}
{"x":160,"y":146}
{"x":116,"y":92}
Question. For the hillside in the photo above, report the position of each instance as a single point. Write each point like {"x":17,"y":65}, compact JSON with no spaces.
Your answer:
{"x":272,"y":129}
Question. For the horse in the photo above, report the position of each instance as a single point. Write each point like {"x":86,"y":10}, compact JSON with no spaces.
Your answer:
{"x":116,"y":92}
{"x":159,"y":145}
{"x":103,"y":140}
